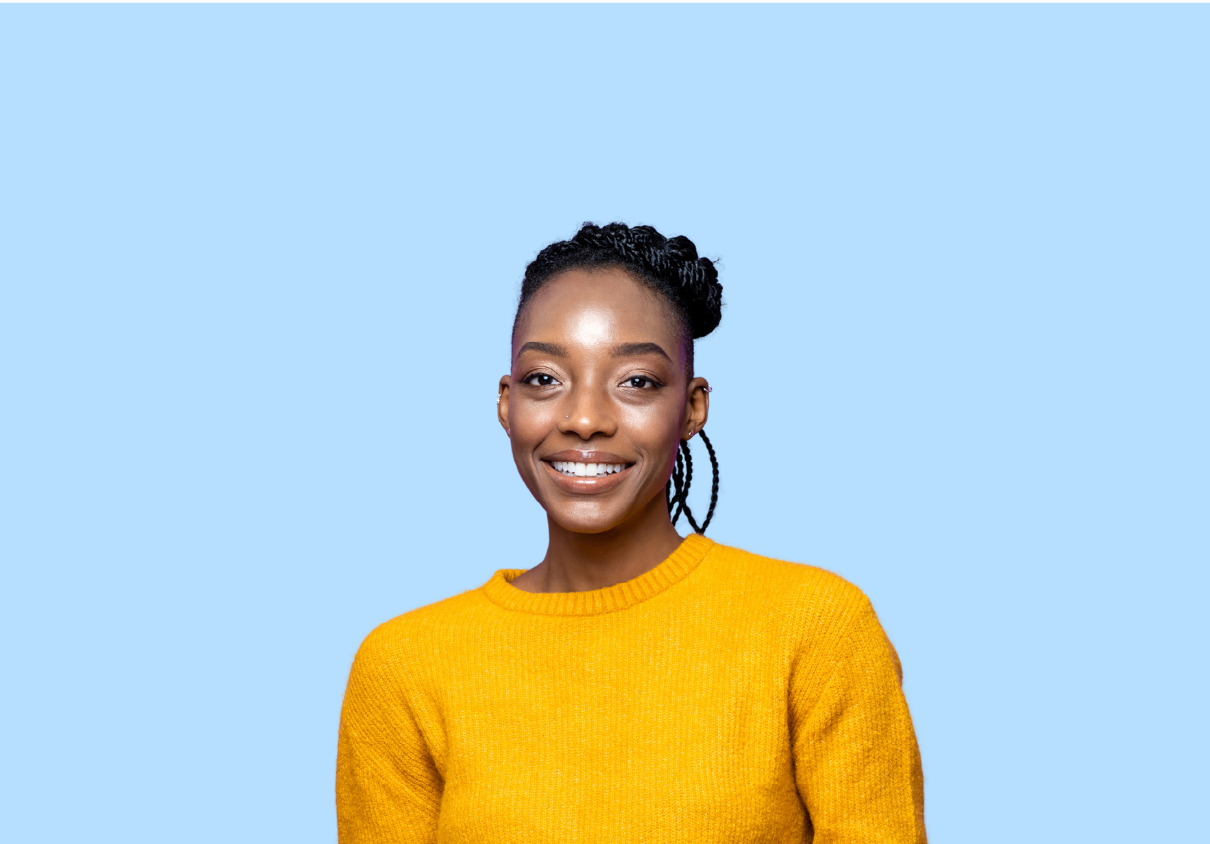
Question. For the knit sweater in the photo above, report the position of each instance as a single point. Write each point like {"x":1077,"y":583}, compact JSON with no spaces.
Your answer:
{"x":720,"y":697}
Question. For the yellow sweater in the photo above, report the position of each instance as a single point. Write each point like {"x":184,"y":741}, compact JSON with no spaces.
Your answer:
{"x":720,"y":697}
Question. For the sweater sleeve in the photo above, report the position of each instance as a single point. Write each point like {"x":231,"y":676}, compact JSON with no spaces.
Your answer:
{"x":857,"y":764}
{"x":388,"y":788}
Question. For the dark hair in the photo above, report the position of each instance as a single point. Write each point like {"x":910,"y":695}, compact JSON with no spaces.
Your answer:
{"x":668,"y":265}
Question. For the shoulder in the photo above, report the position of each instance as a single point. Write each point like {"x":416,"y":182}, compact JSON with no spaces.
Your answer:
{"x":828,"y":619}
{"x":419,"y":632}
{"x":811,"y":601}
{"x":798,"y":583}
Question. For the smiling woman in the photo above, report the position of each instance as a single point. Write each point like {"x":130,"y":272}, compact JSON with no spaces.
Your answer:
{"x":634,"y":685}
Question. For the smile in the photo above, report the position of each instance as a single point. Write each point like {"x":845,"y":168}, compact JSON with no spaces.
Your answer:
{"x":587,"y":470}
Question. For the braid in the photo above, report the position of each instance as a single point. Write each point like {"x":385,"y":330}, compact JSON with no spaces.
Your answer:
{"x":684,"y":449}
{"x":682,"y":488}
{"x":714,"y":483}
{"x":682,"y":476}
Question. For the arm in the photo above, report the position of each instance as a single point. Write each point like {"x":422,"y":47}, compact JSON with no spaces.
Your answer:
{"x":387,"y":785}
{"x":857,"y":765}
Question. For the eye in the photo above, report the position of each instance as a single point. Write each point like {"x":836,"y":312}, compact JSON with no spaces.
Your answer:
{"x":640,"y":382}
{"x":541,"y":379}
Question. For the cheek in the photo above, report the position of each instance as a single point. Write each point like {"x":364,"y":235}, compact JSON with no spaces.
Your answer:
{"x":655,"y":429}
{"x":528,"y":424}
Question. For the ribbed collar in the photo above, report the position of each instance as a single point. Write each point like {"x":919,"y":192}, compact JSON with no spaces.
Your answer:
{"x":683,"y":560}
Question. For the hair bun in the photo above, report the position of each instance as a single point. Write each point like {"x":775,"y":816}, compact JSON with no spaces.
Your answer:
{"x":691,"y":280}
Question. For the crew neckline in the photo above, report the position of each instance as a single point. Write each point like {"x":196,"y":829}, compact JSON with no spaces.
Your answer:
{"x":620,"y":596}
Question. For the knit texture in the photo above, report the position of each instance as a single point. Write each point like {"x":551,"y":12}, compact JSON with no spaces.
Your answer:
{"x":720,"y":697}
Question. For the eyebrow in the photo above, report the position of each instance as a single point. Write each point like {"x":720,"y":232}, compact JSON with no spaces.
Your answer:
{"x":627,"y":350}
{"x":547,"y":348}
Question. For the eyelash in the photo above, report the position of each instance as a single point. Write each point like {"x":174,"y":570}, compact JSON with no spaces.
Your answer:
{"x":528,"y":378}
{"x":655,"y":385}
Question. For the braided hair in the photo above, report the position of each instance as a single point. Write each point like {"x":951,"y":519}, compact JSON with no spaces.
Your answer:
{"x":671,"y":267}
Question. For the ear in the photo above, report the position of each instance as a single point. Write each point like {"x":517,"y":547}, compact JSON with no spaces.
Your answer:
{"x":697,"y":407}
{"x":502,"y":404}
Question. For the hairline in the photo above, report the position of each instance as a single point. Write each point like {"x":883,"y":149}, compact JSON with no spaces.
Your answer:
{"x":642,"y":278}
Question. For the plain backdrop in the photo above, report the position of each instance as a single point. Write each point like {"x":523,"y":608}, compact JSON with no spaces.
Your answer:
{"x":257,"y":271}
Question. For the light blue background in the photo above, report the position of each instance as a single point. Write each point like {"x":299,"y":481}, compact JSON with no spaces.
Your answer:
{"x":258,"y":267}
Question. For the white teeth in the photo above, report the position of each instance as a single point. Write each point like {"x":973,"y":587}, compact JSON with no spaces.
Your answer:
{"x":587,"y":470}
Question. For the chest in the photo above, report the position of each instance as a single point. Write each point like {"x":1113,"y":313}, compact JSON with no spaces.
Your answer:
{"x":681,"y":730}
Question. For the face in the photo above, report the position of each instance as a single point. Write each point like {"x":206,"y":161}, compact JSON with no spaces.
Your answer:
{"x":598,"y":399}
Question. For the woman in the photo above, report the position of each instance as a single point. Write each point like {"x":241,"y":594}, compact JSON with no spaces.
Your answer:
{"x":633,"y":686}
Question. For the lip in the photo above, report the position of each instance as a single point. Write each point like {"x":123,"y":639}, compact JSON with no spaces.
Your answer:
{"x":586,"y":486}
{"x":574,"y":455}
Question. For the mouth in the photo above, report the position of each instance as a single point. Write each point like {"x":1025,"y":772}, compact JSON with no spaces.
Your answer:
{"x":587,"y":472}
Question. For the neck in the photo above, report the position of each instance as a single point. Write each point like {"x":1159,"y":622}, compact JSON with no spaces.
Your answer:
{"x":580,"y":562}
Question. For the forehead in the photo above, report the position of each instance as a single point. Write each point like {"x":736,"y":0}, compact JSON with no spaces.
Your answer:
{"x":597,"y":307}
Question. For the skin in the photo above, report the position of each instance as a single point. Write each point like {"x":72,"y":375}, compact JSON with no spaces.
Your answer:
{"x":599,"y":370}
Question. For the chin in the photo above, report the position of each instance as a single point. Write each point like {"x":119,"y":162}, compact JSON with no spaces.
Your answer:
{"x":585,"y":519}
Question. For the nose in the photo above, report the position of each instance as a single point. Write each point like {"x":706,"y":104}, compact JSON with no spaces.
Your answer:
{"x":588,"y":412}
